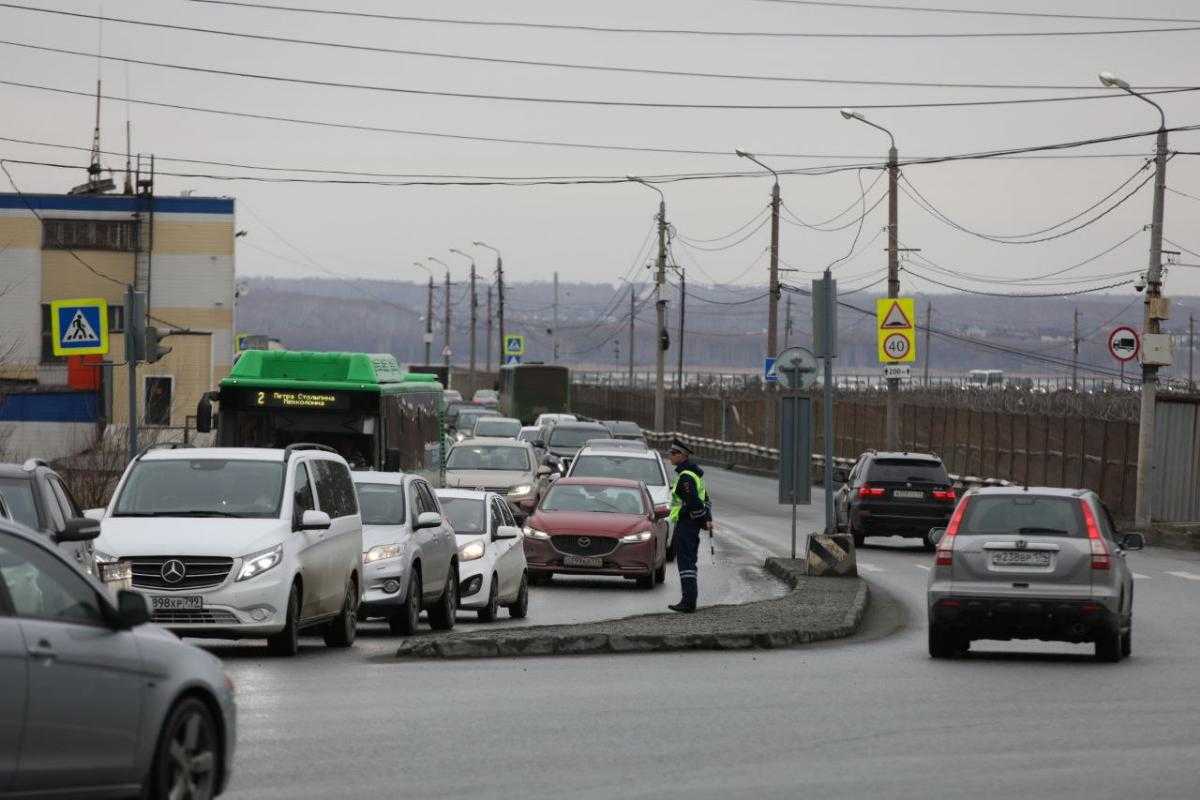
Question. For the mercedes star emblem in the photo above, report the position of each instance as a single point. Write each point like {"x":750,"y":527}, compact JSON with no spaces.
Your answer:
{"x":173,"y":571}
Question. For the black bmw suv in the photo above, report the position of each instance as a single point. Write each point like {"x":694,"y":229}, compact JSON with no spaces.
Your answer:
{"x":895,"y":494}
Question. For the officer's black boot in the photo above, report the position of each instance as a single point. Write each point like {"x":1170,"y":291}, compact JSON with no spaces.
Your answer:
{"x":688,"y":604}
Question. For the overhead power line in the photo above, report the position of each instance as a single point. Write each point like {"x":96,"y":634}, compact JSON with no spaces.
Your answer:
{"x":548,"y":26}
{"x":977,"y":12}
{"x":570,"y":101}
{"x":521,"y":62}
{"x":1016,"y":295}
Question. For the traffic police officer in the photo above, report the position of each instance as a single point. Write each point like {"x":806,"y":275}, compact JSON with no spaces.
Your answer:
{"x":690,"y":513}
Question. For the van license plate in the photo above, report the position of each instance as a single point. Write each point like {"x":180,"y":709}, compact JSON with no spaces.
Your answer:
{"x":1021,"y":558}
{"x":910,"y":495}
{"x":582,"y":561}
{"x":187,"y":602}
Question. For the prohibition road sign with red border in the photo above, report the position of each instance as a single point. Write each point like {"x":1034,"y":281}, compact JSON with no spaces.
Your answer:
{"x":1124,"y":343}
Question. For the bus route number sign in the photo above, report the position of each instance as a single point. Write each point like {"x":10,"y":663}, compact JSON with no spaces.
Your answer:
{"x":290,"y":399}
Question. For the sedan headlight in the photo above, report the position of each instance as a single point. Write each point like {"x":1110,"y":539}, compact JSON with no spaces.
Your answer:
{"x":534,"y":533}
{"x":633,"y":538}
{"x":472,"y":550}
{"x":258,"y":563}
{"x":102,"y":557}
{"x":380,"y":552}
{"x":520,"y":490}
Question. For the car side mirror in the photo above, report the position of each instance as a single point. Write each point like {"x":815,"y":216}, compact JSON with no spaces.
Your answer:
{"x":935,"y":535}
{"x":661,"y":512}
{"x":79,"y":529}
{"x":428,"y":519}
{"x":543,"y":471}
{"x":314,"y":521}
{"x":506,"y":532}
{"x":94,"y":513}
{"x":841,"y":474}
{"x":1133,"y":541}
{"x":133,"y":609}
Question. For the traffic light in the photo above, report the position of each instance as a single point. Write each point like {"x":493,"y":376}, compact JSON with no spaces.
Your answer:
{"x":153,"y":350}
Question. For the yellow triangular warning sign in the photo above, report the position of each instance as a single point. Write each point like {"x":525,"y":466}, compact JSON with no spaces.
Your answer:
{"x":895,"y":318}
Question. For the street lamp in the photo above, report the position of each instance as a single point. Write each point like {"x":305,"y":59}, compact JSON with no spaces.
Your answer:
{"x":773,"y":305}
{"x":1154,"y":311}
{"x":660,"y":305}
{"x":474,"y":306}
{"x":499,"y":293}
{"x":428,"y":313}
{"x":892,"y":424}
{"x":446,"y":330}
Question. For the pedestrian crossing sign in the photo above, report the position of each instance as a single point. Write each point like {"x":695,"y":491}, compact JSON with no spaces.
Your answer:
{"x":514,"y":344}
{"x":80,"y":327}
{"x":512,"y":361}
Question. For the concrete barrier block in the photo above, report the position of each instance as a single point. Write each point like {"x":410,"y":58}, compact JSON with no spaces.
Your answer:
{"x":831,"y":555}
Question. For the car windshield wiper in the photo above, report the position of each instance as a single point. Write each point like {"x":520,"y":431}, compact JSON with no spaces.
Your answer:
{"x":1058,"y":531}
{"x":179,"y":513}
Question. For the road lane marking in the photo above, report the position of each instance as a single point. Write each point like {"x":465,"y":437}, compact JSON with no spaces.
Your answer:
{"x":1140,"y":576}
{"x":1191,"y":576}
{"x":870,"y":567}
{"x":925,"y":567}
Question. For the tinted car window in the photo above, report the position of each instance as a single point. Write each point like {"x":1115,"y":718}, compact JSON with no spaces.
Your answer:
{"x":18,"y":498}
{"x":218,"y":487}
{"x":634,"y":469}
{"x":303,"y":490}
{"x":335,"y":490}
{"x":42,"y":587}
{"x":488,"y":426}
{"x":466,"y":516}
{"x":575,"y":437}
{"x":69,"y":506}
{"x":1030,"y":514}
{"x":900,"y":470}
{"x":488,"y":457}
{"x":381,"y":503}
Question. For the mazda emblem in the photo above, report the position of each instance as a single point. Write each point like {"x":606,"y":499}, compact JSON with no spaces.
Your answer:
{"x":584,"y":541}
{"x":173,"y":571}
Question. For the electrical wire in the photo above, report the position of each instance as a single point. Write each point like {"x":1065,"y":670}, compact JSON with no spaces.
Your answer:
{"x":674,"y":73}
{"x":1017,"y":295}
{"x":730,"y":245}
{"x":819,"y":225}
{"x":1042,"y":281}
{"x":570,"y":101}
{"x":735,"y":232}
{"x":856,"y":221}
{"x":546,"y":26}
{"x":857,"y":233}
{"x":975,"y":12}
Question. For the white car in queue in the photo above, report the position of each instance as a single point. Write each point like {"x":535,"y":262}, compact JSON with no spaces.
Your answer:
{"x":409,"y":552}
{"x":613,"y":458}
{"x":241,"y":542}
{"x":491,"y":553}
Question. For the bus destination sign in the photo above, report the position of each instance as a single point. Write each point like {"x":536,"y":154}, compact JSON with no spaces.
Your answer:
{"x":294,"y":399}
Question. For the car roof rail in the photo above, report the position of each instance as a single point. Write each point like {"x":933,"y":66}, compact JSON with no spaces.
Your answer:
{"x":292,"y":448}
{"x":33,"y":463}
{"x":163,"y":446}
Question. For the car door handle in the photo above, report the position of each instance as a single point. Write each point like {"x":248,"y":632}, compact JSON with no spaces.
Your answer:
{"x":43,"y":650}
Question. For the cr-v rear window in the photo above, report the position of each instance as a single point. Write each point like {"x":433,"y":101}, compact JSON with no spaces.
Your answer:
{"x":1022,"y":514}
{"x":903,"y":470}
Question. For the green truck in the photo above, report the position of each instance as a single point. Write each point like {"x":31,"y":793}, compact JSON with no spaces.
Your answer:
{"x":527,"y":390}
{"x":364,"y":406}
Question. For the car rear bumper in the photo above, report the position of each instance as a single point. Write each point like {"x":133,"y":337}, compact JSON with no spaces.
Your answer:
{"x":898,"y":521}
{"x":1047,"y":619}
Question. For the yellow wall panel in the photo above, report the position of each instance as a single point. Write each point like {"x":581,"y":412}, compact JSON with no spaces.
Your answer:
{"x":64,"y":277}
{"x":198,"y":238}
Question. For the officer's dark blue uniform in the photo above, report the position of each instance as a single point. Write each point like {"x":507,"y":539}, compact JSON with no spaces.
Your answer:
{"x":690,"y":513}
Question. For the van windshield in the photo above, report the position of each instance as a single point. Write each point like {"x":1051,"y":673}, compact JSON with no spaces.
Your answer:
{"x":202,"y":487}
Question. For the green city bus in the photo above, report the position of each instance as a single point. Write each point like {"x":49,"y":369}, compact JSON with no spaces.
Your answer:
{"x":363,"y":405}
{"x":527,"y":390}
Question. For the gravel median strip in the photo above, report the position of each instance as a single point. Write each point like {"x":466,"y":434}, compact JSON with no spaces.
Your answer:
{"x":816,"y":609}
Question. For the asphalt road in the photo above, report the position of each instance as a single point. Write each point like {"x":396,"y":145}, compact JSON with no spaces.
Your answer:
{"x":870,"y":716}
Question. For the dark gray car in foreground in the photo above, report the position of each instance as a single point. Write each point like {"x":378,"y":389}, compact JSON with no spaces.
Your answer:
{"x":95,"y":702}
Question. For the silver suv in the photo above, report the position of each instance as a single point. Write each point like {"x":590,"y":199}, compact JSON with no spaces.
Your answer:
{"x":1032,"y":563}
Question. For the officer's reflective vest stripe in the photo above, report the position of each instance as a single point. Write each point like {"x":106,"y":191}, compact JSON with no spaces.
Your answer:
{"x":677,"y":501}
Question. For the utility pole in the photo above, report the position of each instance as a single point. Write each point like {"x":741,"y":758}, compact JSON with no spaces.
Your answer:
{"x":446,"y":338}
{"x":787,"y":323}
{"x":660,"y":305}
{"x":487,"y":357}
{"x":928,"y":325}
{"x":429,"y":322}
{"x":556,"y":316}
{"x":1153,"y":310}
{"x":474,"y":308}
{"x":631,"y":321}
{"x":679,"y":368}
{"x":1075,"y":352}
{"x":499,"y":298}
{"x":773,"y":283}
{"x":1191,"y":351}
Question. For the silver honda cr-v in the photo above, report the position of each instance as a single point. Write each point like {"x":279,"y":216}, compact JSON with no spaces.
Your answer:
{"x":1032,"y":563}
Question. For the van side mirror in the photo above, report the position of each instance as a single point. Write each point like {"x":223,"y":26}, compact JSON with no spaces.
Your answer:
{"x":133,"y":609}
{"x":80,"y":529}
{"x":1133,"y":541}
{"x":314,"y":521}
{"x":428,"y":519}
{"x":95,"y":513}
{"x":506,"y":532}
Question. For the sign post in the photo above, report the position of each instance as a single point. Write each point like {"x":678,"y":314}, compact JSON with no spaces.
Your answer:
{"x":824,"y":298}
{"x":796,"y":368}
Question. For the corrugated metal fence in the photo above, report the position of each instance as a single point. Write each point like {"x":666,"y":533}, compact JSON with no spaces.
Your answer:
{"x":1175,"y":482}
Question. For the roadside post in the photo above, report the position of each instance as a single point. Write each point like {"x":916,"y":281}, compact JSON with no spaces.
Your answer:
{"x":796,"y":369}
{"x":824,"y":317}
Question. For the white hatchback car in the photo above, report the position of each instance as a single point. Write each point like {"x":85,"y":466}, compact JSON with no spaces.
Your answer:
{"x":405,"y":535}
{"x":490,"y":551}
{"x":620,"y":460}
{"x":241,"y":542}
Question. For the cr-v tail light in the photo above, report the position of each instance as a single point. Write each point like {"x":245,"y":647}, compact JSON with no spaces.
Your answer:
{"x":944,"y":556}
{"x":1101,"y":557}
{"x":871,"y":491}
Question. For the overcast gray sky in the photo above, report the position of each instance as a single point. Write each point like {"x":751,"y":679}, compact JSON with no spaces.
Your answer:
{"x":594,"y":232}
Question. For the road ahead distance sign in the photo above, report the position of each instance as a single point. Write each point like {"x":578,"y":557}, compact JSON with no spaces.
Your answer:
{"x":1124,"y":343}
{"x":80,"y":327}
{"x":895,"y":329}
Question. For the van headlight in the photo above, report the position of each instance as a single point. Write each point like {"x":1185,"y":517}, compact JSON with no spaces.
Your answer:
{"x":258,"y":563}
{"x":633,"y":538}
{"x":380,"y":552}
{"x":472,"y":550}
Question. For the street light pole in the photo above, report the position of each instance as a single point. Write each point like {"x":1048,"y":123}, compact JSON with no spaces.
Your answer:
{"x":474,"y":320}
{"x":1146,"y":422}
{"x":499,"y":297}
{"x":446,"y":330}
{"x":428,"y":312}
{"x":773,"y":285}
{"x":892,"y":422}
{"x":660,"y":304}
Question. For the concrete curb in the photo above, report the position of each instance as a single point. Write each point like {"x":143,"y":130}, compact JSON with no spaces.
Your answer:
{"x":815,"y":610}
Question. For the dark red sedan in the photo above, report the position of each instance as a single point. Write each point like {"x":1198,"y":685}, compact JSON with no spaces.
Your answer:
{"x":597,"y":526}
